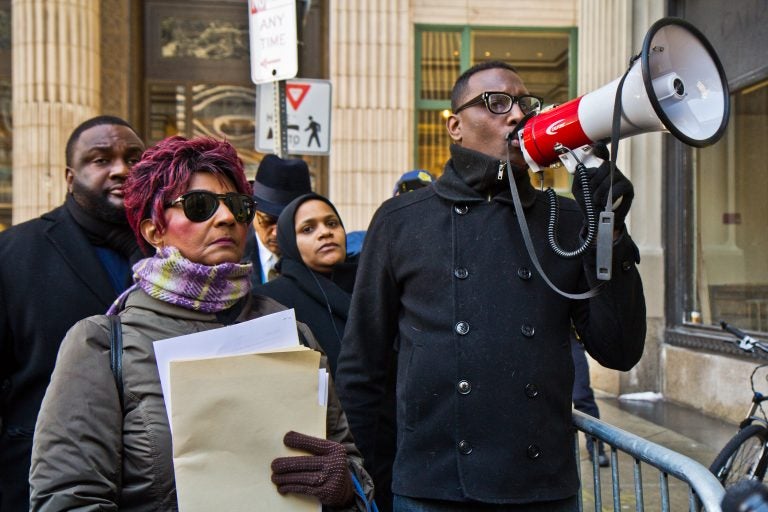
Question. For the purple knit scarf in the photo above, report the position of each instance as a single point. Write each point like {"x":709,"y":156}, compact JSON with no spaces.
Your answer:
{"x":170,"y":277}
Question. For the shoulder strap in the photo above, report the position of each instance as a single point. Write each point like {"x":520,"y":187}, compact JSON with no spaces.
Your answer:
{"x":116,"y":353}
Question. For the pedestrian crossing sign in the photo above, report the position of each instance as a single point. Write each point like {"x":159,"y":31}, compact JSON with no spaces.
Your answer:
{"x":308,"y":116}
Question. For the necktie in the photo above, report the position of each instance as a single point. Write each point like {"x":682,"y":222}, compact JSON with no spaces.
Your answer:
{"x":271,"y":272}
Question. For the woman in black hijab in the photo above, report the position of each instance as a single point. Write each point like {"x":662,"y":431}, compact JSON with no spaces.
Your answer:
{"x":314,"y":278}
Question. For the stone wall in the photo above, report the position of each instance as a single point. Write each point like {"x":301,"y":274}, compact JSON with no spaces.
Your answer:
{"x":715,"y":384}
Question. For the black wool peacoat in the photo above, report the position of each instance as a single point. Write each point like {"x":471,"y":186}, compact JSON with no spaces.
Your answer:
{"x":484,"y":364}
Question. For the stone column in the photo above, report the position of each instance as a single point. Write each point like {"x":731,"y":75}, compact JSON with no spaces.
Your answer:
{"x":117,"y":58}
{"x":371,"y":68}
{"x":56,"y":86}
{"x":610,"y":32}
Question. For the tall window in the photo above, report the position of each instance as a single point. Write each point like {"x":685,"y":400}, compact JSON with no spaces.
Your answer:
{"x":542,"y":57}
{"x":730,"y":245}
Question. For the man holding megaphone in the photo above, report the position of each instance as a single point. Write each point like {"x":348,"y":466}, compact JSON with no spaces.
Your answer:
{"x":484,"y":364}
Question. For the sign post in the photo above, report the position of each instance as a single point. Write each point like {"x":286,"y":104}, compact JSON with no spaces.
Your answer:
{"x":308,"y":117}
{"x":280,"y":119}
{"x":274,"y":56}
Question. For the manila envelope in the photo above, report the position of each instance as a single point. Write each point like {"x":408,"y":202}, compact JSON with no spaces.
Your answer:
{"x":229,"y":418}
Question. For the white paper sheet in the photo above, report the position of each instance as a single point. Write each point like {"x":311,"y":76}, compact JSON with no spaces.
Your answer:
{"x":270,"y":332}
{"x":322,"y":387}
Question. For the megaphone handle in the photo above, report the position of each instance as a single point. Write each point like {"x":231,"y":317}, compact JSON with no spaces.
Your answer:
{"x":604,"y":257}
{"x":573,"y":159}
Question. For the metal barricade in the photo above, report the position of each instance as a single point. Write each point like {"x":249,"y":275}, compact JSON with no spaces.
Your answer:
{"x":704,"y":490}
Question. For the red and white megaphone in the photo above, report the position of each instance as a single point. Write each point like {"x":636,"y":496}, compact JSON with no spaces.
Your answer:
{"x":677,"y":85}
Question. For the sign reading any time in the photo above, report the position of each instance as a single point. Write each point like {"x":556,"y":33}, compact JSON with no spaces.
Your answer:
{"x":272,"y":27}
{"x":308,"y":112}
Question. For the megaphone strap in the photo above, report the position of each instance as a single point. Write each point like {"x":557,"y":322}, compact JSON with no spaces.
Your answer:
{"x":616,"y":130}
{"x":604,"y":256}
{"x":529,"y":245}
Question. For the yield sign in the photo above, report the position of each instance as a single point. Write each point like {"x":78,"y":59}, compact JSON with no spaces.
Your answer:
{"x":295,"y":93}
{"x":307,"y":112}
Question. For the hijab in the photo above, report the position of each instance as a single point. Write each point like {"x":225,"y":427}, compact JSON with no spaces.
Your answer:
{"x":334,"y":289}
{"x":286,"y":225}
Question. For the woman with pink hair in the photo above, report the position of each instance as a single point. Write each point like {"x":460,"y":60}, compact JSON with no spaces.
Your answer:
{"x":103,"y":442}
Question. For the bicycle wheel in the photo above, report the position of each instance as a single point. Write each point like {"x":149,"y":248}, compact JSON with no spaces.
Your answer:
{"x":740,"y":458}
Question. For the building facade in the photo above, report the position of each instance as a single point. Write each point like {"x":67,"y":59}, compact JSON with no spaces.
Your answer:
{"x":182,"y":66}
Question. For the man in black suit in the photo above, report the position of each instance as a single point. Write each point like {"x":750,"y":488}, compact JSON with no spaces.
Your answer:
{"x":70,"y":263}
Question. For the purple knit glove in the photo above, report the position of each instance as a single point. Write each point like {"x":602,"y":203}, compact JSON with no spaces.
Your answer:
{"x":324,"y":475}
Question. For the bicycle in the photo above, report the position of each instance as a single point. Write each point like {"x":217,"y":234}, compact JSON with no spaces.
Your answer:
{"x":745,"y":455}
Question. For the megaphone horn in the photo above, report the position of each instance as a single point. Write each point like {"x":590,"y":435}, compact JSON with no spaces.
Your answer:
{"x":677,"y":85}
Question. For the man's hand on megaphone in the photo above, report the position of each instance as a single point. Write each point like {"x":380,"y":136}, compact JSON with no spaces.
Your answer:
{"x":599,"y":183}
{"x":600,"y":150}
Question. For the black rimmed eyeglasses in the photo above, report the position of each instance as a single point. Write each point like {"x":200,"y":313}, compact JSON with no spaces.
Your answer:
{"x":200,"y":205}
{"x":501,"y":102}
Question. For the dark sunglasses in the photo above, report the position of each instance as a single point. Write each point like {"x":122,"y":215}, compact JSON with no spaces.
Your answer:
{"x":200,"y":205}
{"x":501,"y":102}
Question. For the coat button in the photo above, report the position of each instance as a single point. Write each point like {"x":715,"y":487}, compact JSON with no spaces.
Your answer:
{"x":626,"y":265}
{"x":533,"y":451}
{"x":461,"y":209}
{"x":465,"y":447}
{"x":527,"y":330}
{"x":531,"y":391}
{"x":461,"y":272}
{"x":464,"y":387}
{"x":461,"y":328}
{"x":524,"y":273}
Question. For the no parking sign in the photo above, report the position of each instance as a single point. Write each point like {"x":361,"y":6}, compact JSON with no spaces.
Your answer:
{"x":272,"y":28}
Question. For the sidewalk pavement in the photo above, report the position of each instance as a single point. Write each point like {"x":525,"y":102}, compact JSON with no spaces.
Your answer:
{"x":680,"y":429}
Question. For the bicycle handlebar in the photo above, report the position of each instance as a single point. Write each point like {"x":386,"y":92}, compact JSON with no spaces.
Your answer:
{"x":746,"y":342}
{"x":733,"y":330}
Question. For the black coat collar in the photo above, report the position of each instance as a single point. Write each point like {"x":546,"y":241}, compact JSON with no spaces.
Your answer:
{"x":68,"y":238}
{"x":472,"y":177}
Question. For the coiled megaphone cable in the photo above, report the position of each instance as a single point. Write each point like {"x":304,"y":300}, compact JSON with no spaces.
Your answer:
{"x":529,"y":243}
{"x":589,"y":213}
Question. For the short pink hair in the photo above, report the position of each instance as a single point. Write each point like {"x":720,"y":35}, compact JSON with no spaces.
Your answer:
{"x":164,"y":173}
